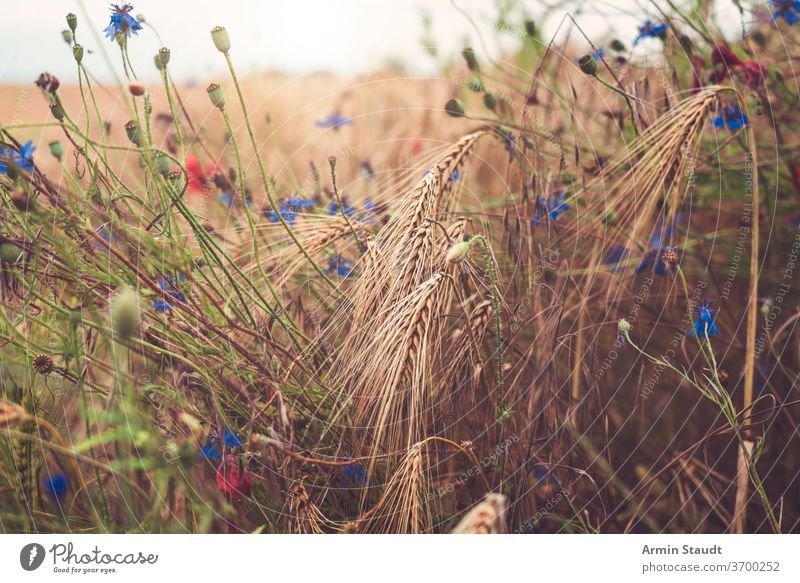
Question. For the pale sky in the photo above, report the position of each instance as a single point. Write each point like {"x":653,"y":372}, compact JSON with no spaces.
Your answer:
{"x":294,"y":36}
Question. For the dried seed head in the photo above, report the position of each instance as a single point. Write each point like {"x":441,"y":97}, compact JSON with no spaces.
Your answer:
{"x":42,"y":364}
{"x":163,"y":55}
{"x":588,"y":65}
{"x":221,"y":39}
{"x":671,"y":255}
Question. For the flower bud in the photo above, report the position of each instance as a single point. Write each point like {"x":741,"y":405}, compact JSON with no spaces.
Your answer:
{"x":457,"y":252}
{"x":10,"y":252}
{"x":489,"y":101}
{"x":125,"y":313}
{"x":221,"y":39}
{"x":162,"y":164}
{"x":56,"y":149}
{"x":136,"y":88}
{"x":623,"y":326}
{"x":588,"y":65}
{"x":67,"y":36}
{"x":77,"y":52}
{"x":217,"y":95}
{"x":57,"y":112}
{"x":72,"y":21}
{"x":469,"y":57}
{"x":475,"y":84}
{"x":617,"y":45}
{"x":454,"y":108}
{"x":163,"y":55}
{"x":530,"y":28}
{"x":134,"y":132}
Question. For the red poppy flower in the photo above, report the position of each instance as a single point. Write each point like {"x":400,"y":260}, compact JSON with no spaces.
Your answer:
{"x":198,"y":176}
{"x":754,"y":74}
{"x":234,"y":479}
{"x":723,"y":55}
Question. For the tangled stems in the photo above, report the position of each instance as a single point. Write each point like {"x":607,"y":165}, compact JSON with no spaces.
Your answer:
{"x":265,"y":180}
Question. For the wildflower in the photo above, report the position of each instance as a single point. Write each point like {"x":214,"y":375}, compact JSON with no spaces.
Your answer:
{"x":789,"y":10}
{"x":198,"y":174}
{"x":339,"y":265}
{"x":653,"y":259}
{"x":366,"y":169}
{"x":48,"y":83}
{"x":553,"y":207}
{"x":231,"y":439}
{"x":227,"y":199}
{"x":22,"y":159}
{"x":210,"y":451}
{"x":55,"y":485}
{"x":651,"y":29}
{"x":671,"y":255}
{"x":288,"y":213}
{"x":233,"y":478}
{"x":168,"y":286}
{"x":733,"y":117}
{"x":122,"y":23}
{"x":754,"y":73}
{"x":623,"y":326}
{"x":335,"y":209}
{"x":42,"y":363}
{"x":297,"y":203}
{"x":334,"y":120}
{"x":724,"y":55}
{"x":615,"y":255}
{"x":704,"y":325}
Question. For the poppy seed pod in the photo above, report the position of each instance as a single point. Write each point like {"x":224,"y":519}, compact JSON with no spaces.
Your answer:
{"x":125,"y":313}
{"x":588,"y":65}
{"x":56,"y":149}
{"x":162,"y":164}
{"x":72,"y":21}
{"x":164,"y":55}
{"x":221,"y":39}
{"x":332,"y":161}
{"x":67,"y":36}
{"x":77,"y":52}
{"x":134,"y":132}
{"x":454,"y":108}
{"x":42,"y":363}
{"x":469,"y":57}
{"x":217,"y":95}
{"x":10,"y":252}
{"x":475,"y":84}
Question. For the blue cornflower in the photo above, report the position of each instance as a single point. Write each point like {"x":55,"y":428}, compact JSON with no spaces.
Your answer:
{"x":615,"y":255}
{"x":286,"y":211}
{"x":170,"y":289}
{"x":543,"y":475}
{"x":122,"y":22}
{"x":55,"y":485}
{"x":339,"y":265}
{"x":786,"y":9}
{"x":733,"y":117}
{"x":366,"y":169}
{"x":653,"y":260}
{"x":554,"y":206}
{"x":296,"y":202}
{"x":335,"y":120}
{"x":598,"y":54}
{"x":210,"y":450}
{"x":704,"y":325}
{"x":22,"y":159}
{"x":231,"y":438}
{"x":334,"y":209}
{"x":227,"y":199}
{"x":650,"y":29}
{"x":357,"y":474}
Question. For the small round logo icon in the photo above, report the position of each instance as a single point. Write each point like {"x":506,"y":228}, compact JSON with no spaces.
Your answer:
{"x":31,"y":556}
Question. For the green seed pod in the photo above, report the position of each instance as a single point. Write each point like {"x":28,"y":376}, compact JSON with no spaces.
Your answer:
{"x":217,"y":95}
{"x":56,"y":149}
{"x":588,"y":65}
{"x":67,"y":36}
{"x":157,"y":61}
{"x":162,"y":164}
{"x":475,"y":84}
{"x":9,"y":252}
{"x":77,"y":52}
{"x":530,"y":28}
{"x":164,"y":55}
{"x":617,"y":45}
{"x":489,"y":101}
{"x":454,"y":108}
{"x":125,"y":315}
{"x":469,"y":57}
{"x":134,"y":132}
{"x":72,"y":21}
{"x":221,"y":39}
